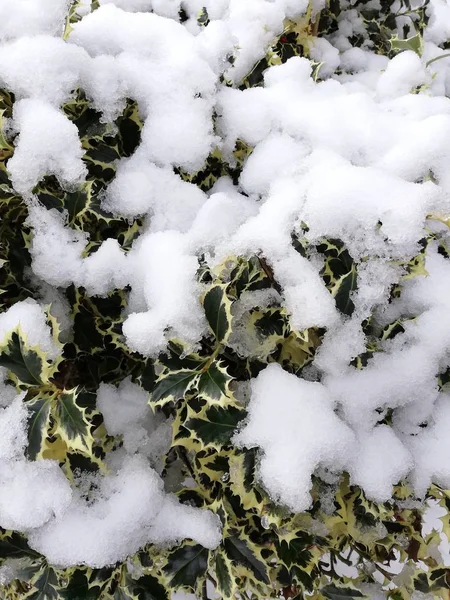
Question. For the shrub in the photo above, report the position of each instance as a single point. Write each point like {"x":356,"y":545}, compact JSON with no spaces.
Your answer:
{"x":224,"y":287}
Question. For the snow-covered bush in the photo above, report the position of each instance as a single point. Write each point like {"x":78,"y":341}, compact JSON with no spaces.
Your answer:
{"x":225,"y":292}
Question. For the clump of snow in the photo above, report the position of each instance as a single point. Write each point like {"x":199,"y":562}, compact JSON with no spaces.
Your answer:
{"x":25,"y":17}
{"x":99,"y":273}
{"x":46,"y":145}
{"x":29,"y":316}
{"x":39,"y":489}
{"x":126,"y":412}
{"x":130,"y":510}
{"x":301,"y":434}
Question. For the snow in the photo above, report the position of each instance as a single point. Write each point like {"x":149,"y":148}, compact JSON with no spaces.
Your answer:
{"x":29,"y":318}
{"x":360,"y":155}
{"x":302,"y":434}
{"x":128,"y":511}
{"x":46,"y":146}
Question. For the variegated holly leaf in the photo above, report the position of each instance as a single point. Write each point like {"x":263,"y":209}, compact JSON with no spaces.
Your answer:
{"x":217,"y":307}
{"x":186,"y":565}
{"x":243,"y":553}
{"x":147,"y":588}
{"x":38,"y":423}
{"x":28,"y":363}
{"x":79,"y":587}
{"x":214,"y":383}
{"x":13,"y":545}
{"x":217,"y":424}
{"x":242,"y":481}
{"x":71,"y":423}
{"x":173,"y":386}
{"x":222,"y":569}
{"x":44,"y":585}
{"x":333,"y":592}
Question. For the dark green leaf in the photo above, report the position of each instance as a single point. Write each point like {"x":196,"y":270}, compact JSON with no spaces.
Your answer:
{"x":217,"y":311}
{"x":24,"y":362}
{"x":15,"y":546}
{"x":186,"y":565}
{"x":148,"y":588}
{"x":173,"y":386}
{"x":213,"y":383}
{"x":219,"y":425}
{"x":78,"y":588}
{"x":223,"y":576}
{"x":70,"y":418}
{"x":238,"y":551}
{"x":38,"y":425}
{"x":347,"y":285}
{"x":45,"y":586}
{"x":337,"y":593}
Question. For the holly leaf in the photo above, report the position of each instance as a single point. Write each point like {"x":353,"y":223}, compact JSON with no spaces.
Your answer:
{"x":71,"y":422}
{"x":217,"y":307}
{"x":342,"y":293}
{"x":26,"y":362}
{"x":218,"y":424}
{"x":186,"y":565}
{"x":214,"y":383}
{"x":173,"y":386}
{"x":333,"y":592}
{"x":238,"y":551}
{"x":15,"y":546}
{"x":38,"y":424}
{"x":222,"y":572}
{"x":148,"y":588}
{"x":45,"y":584}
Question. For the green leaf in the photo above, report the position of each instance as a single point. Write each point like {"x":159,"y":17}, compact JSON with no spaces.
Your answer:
{"x":218,"y":424}
{"x":342,"y":296}
{"x":15,"y":546}
{"x":186,"y":565}
{"x":217,"y":308}
{"x":148,"y":588}
{"x":173,"y":386}
{"x":337,"y":593}
{"x":239,"y":552}
{"x":223,"y":576}
{"x":71,"y":423}
{"x":45,"y":586}
{"x":213,"y":383}
{"x":38,"y":424}
{"x":79,"y":588}
{"x":25,"y":362}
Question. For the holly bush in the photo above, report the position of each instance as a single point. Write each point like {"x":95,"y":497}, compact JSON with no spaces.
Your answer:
{"x":266,"y":550}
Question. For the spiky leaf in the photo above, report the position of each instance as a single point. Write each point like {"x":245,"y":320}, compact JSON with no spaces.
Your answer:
{"x":217,"y":308}
{"x":186,"y":565}
{"x":173,"y":386}
{"x":71,"y":422}
{"x":38,"y":424}
{"x":26,"y":362}
{"x":218,"y":424}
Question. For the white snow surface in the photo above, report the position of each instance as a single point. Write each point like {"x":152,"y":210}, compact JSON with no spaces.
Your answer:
{"x":361,"y":156}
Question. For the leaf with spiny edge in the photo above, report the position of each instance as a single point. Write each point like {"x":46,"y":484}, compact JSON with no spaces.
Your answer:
{"x":71,"y":422}
{"x":222,"y":569}
{"x":216,"y":425}
{"x":38,"y":423}
{"x":186,"y":565}
{"x":243,"y":554}
{"x":214,"y":384}
{"x":172,"y":386}
{"x":242,"y":482}
{"x":29,"y":364}
{"x":217,"y":307}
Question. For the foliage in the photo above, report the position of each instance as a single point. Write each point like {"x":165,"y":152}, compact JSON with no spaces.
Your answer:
{"x":265,"y":549}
